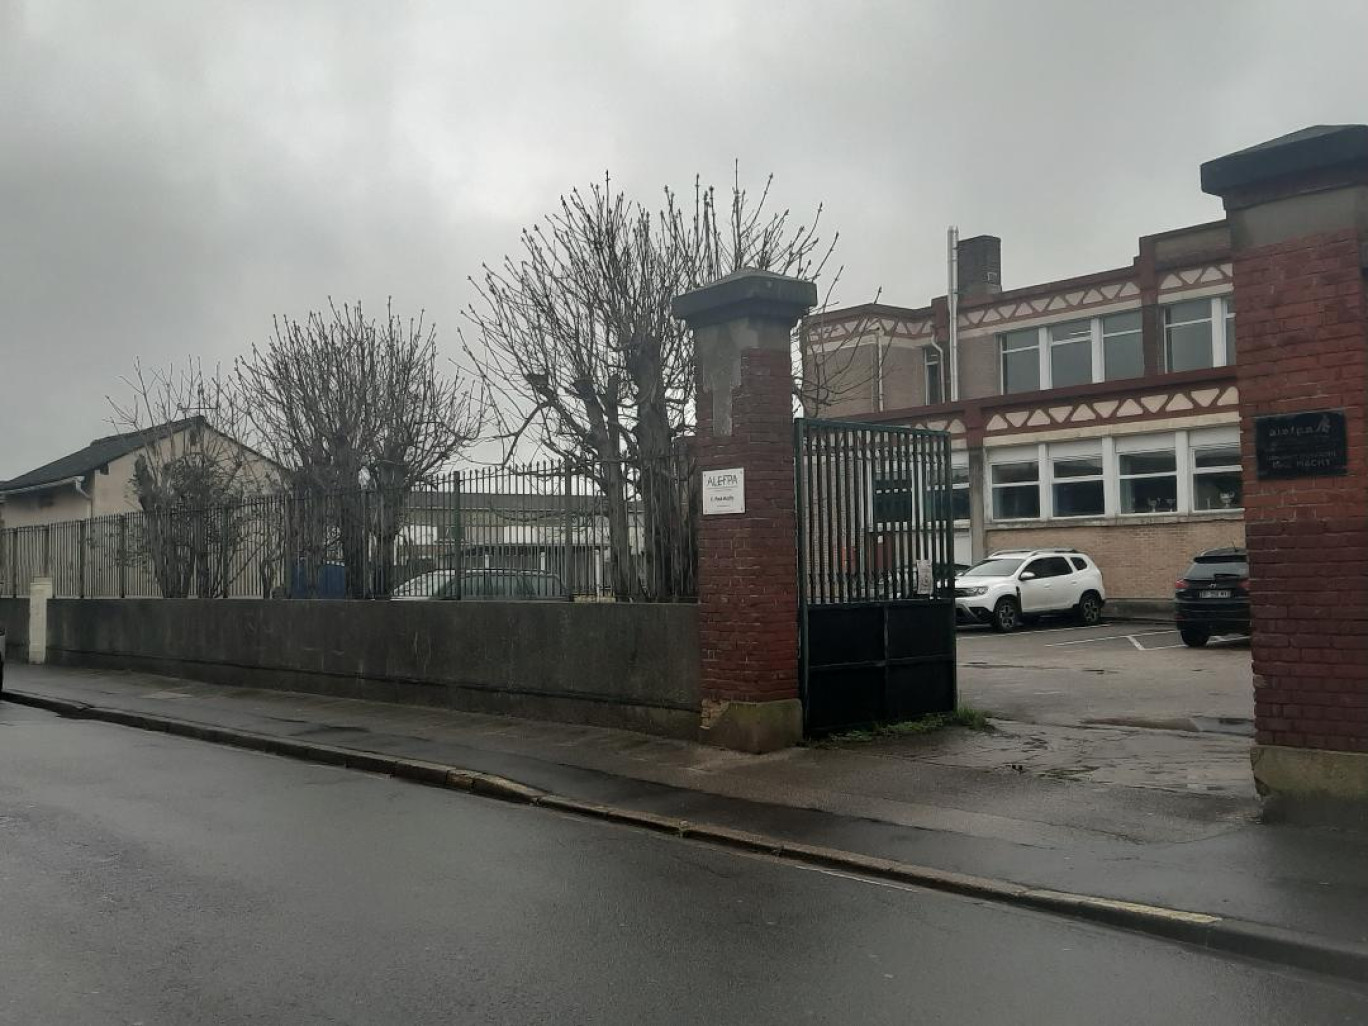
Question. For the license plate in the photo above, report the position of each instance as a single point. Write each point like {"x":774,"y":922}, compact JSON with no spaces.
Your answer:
{"x":1218,"y":594}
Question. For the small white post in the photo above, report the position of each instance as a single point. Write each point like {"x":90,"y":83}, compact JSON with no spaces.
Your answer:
{"x":39,"y":593}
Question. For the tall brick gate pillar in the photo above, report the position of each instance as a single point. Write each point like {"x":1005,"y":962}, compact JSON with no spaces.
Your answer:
{"x":1298,"y":212}
{"x":747,"y":545}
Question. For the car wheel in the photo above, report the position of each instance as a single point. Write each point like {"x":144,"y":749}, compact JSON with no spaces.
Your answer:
{"x":1006,"y":615}
{"x":1089,"y":610}
{"x":1194,"y":638}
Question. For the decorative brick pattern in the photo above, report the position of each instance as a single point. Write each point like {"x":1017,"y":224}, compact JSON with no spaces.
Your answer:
{"x":748,"y":563}
{"x":1304,"y":346}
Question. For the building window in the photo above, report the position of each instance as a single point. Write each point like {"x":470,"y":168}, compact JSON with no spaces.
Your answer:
{"x":1188,"y":340}
{"x":1016,"y":490}
{"x":893,"y":502}
{"x":894,"y":499}
{"x":1070,"y":354}
{"x":1194,"y":472}
{"x":1078,"y":486}
{"x":959,"y":495}
{"x":1149,"y":482}
{"x":1229,"y":304}
{"x":1216,"y":481}
{"x":935,"y":391}
{"x":1020,"y":361}
{"x":1123,"y":351}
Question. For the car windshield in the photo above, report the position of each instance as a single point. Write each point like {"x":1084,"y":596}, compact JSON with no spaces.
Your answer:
{"x":994,"y":568}
{"x":1216,"y":567}
{"x":424,"y":585}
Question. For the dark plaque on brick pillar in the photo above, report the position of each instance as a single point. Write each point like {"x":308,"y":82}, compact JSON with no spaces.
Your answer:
{"x":1301,"y":444}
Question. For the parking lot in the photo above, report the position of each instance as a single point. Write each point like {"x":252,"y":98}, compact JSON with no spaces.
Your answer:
{"x":1121,"y":673}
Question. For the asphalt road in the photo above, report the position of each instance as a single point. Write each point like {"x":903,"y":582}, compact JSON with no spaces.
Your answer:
{"x":1125,"y":673}
{"x":148,"y":879}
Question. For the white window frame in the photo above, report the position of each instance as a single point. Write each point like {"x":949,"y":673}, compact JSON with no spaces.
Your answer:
{"x":1101,"y":364}
{"x":1017,"y":454}
{"x":1216,"y":312}
{"x":913,"y":487}
{"x":1211,"y":438}
{"x":1174,"y":442}
{"x":1227,"y":323}
{"x":1045,"y":343}
{"x":1073,"y":451}
{"x":1042,"y":359}
{"x":1048,"y":340}
{"x":1183,"y":444}
{"x":959,"y":460}
{"x":931,"y":364}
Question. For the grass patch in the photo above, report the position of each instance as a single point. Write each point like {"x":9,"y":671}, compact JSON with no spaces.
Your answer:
{"x":965,"y":716}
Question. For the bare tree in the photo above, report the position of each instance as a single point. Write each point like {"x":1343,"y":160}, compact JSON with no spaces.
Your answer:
{"x":581,"y":355}
{"x":190,"y":476}
{"x":835,"y":360}
{"x":358,"y":412}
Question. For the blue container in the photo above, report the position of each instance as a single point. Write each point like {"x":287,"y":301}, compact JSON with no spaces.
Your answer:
{"x":331,"y":582}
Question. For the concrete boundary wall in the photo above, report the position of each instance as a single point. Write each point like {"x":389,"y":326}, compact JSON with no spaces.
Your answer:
{"x":620,"y":665}
{"x":14,"y":618}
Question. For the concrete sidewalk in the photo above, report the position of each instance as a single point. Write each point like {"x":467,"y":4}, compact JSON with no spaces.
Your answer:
{"x":946,"y":801}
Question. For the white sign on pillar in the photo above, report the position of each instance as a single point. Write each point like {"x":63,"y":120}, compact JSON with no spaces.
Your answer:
{"x":724,"y":491}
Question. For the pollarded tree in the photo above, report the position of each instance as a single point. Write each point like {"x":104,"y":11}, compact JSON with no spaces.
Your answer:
{"x":580,"y":354}
{"x":359,"y":411}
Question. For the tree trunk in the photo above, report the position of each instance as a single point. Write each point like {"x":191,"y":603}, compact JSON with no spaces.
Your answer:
{"x":167,"y":548}
{"x":658,"y":504}
{"x":351,"y":514}
{"x":622,"y":564}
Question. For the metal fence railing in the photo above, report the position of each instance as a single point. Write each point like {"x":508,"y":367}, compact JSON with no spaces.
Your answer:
{"x":875,"y":513}
{"x":613,"y":530}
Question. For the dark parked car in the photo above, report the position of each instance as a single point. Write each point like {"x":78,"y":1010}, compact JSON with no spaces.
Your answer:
{"x":1213,"y":596}
{"x":493,"y":583}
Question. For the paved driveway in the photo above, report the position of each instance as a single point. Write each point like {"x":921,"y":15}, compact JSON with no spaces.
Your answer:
{"x":1120,"y":673}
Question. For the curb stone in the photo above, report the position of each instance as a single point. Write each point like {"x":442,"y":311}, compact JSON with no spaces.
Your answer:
{"x":504,"y":789}
{"x":627,"y":817}
{"x":1211,"y":932}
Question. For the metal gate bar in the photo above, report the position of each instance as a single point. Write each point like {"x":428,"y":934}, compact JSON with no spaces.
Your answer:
{"x":875,"y":572}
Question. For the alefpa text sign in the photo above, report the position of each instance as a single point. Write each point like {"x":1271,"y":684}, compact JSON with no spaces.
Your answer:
{"x":724,"y":491}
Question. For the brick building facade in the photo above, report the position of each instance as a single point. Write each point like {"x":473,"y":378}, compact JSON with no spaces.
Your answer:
{"x":1099,"y":412}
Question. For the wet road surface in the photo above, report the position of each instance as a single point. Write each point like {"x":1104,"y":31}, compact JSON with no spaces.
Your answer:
{"x":149,"y":879}
{"x":1124,"y":673}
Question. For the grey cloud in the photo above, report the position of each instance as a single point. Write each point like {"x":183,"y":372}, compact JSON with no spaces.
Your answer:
{"x":173,"y":174}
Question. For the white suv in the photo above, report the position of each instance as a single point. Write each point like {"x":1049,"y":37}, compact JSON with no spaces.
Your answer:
{"x":1013,"y":584}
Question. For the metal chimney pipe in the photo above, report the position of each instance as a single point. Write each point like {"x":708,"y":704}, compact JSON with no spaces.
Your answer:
{"x":952,"y":295}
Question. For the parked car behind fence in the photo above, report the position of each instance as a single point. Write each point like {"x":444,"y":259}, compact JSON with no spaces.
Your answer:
{"x":476,"y":584}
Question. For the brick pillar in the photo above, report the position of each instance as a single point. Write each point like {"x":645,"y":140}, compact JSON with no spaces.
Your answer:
{"x":1298,"y":211}
{"x":747,"y":545}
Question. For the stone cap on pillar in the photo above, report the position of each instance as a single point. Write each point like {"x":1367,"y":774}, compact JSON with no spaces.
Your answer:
{"x":1319,"y":157}
{"x":747,"y":293}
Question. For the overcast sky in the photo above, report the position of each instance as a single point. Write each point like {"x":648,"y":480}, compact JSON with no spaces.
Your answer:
{"x":173,"y":173}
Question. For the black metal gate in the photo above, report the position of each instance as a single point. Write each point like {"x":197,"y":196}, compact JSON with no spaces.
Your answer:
{"x":875,"y":573}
